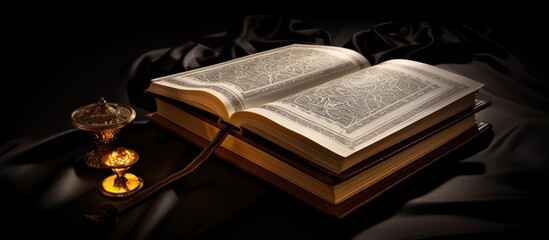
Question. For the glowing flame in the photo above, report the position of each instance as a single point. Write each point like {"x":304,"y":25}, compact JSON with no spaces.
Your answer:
{"x":120,"y":157}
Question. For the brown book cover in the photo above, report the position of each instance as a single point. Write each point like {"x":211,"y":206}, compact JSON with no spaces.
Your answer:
{"x":349,"y":205}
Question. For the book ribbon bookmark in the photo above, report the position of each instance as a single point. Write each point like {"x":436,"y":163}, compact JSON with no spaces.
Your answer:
{"x":109,"y":211}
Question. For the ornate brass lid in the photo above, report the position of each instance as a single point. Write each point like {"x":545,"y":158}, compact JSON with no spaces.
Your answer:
{"x":102,"y":116}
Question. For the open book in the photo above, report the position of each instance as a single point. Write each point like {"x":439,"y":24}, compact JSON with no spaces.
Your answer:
{"x":326,"y":104}
{"x":337,"y":194}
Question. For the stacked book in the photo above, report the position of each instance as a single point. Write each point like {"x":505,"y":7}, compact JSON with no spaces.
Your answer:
{"x":320,"y":122}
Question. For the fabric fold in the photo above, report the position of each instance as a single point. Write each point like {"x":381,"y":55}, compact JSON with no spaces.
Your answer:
{"x":425,"y":41}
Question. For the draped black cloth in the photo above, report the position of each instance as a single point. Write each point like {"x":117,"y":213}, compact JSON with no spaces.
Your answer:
{"x":494,"y":187}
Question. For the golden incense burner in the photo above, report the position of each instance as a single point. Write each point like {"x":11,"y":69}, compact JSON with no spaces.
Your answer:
{"x":103,"y":121}
{"x":122,"y":183}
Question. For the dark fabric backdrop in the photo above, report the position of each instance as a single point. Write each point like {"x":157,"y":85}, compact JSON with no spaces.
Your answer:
{"x":493,"y":188}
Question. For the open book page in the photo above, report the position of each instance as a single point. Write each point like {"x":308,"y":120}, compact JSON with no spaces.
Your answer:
{"x":352,"y":112}
{"x":263,"y":77}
